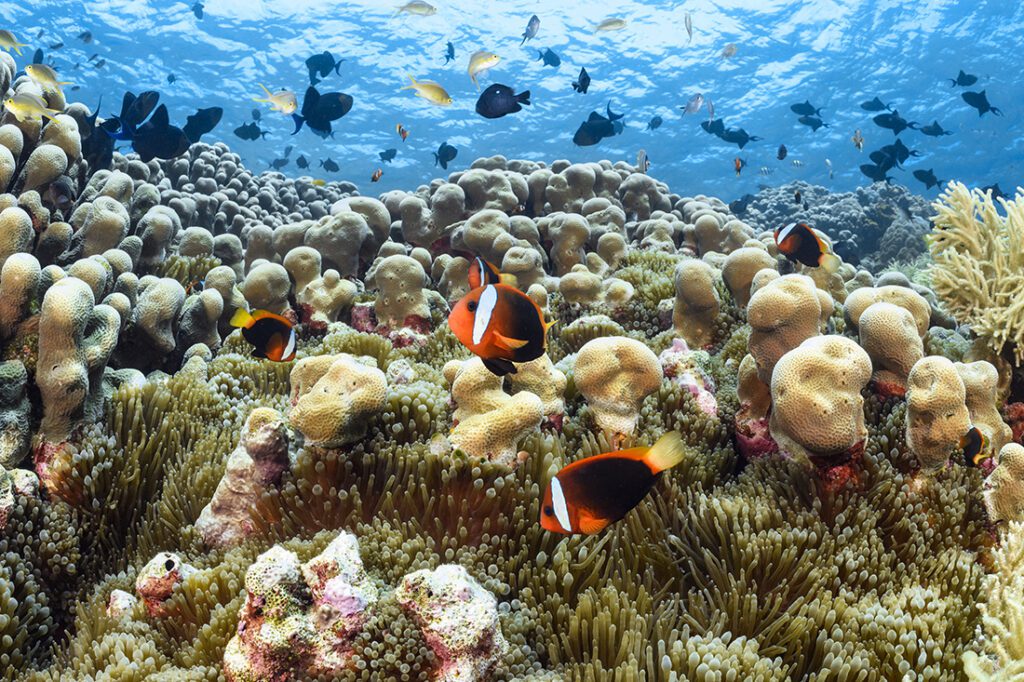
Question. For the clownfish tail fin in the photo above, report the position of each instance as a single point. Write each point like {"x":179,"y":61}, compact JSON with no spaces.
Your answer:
{"x":666,"y":453}
{"x":511,"y":280}
{"x":242,"y":319}
{"x":830,"y":262}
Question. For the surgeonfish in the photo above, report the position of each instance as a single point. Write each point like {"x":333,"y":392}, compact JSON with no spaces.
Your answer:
{"x":592,"y":493}
{"x":975,"y":447}
{"x":9,"y":42}
{"x":282,"y":100}
{"x":480,"y":63}
{"x":271,"y":336}
{"x":800,"y":244}
{"x":501,"y":325}
{"x":29,"y":107}
{"x":430,"y":91}
{"x":45,"y":76}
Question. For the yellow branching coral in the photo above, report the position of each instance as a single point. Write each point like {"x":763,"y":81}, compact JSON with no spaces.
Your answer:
{"x":979,"y":264}
{"x":1002,"y":616}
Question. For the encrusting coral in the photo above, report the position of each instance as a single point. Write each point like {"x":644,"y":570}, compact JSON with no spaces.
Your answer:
{"x":199,"y":508}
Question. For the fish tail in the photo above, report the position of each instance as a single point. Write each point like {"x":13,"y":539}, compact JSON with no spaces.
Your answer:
{"x":666,"y":453}
{"x":17,"y":48}
{"x":411,"y":86}
{"x":513,"y":281}
{"x":523,"y":97}
{"x":829,"y":262}
{"x":242,"y":319}
{"x":298,"y":123}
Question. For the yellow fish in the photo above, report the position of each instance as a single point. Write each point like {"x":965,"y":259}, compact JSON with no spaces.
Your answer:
{"x":9,"y":42}
{"x":480,"y":62}
{"x":319,"y":183}
{"x":45,"y":76}
{"x":28,"y":107}
{"x":611,"y":25}
{"x":430,"y":91}
{"x":424,"y":9}
{"x":282,"y":100}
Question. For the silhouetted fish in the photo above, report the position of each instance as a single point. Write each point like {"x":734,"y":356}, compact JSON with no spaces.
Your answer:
{"x":997,"y":193}
{"x":444,"y":154}
{"x":875,"y":173}
{"x":963,"y":80}
{"x":782,"y":152}
{"x":302,"y":162}
{"x":928,"y":178}
{"x":499,"y":100}
{"x":582,"y":82}
{"x":202,"y":122}
{"x":738,"y":137}
{"x":197,"y":9}
{"x":321,"y":65}
{"x":813,"y":122}
{"x":894,"y":122}
{"x":979,"y":100}
{"x":330,"y":166}
{"x":805,"y":109}
{"x":249,"y":131}
{"x":387,"y":155}
{"x":934,"y":130}
{"x":449,"y":53}
{"x":320,"y":110}
{"x":875,"y":105}
{"x":654,"y":123}
{"x":597,"y":128}
{"x":550,"y":58}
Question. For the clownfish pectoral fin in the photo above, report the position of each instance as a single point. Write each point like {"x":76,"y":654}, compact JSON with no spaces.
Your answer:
{"x":242,"y":319}
{"x":506,"y":343}
{"x":589,"y":524}
{"x":829,"y":262}
{"x":666,"y":453}
{"x":499,"y":366}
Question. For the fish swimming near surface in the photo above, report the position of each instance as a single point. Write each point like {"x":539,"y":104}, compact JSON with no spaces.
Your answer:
{"x":501,"y":325}
{"x":729,"y":51}
{"x":643,"y":163}
{"x":197,"y":9}
{"x":597,"y":128}
{"x":202,"y":122}
{"x":962,"y":79}
{"x":282,"y":100}
{"x":444,"y":155}
{"x":532,"y":26}
{"x":321,"y":65}
{"x":714,"y":127}
{"x":10,"y":43}
{"x":654,"y":123}
{"x":45,"y":77}
{"x":875,"y":105}
{"x":402,"y":131}
{"x":171,"y":78}
{"x":100,"y":64}
{"x":738,"y":136}
{"x":377,"y":175}
{"x":56,"y":46}
{"x":37,"y":56}
{"x":271,"y":336}
{"x":858,"y":140}
{"x":612,"y":24}
{"x":592,"y":493}
{"x":806,"y":109}
{"x":875,"y":172}
{"x":582,"y":82}
{"x":894,"y":122}
{"x":249,"y":131}
{"x":693,"y":105}
{"x":766,"y":171}
{"x":928,"y":178}
{"x":813,"y":122}
{"x":797,"y":163}
{"x":934,"y":130}
{"x":329,"y":165}
{"x":449,"y":54}
{"x":800,"y":244}
{"x":320,"y":110}
{"x":895,"y":153}
{"x":430,"y":91}
{"x":688,"y":23}
{"x":480,"y":63}
{"x":27,"y":106}
{"x":738,"y":165}
{"x":979,"y":100}
{"x":417,"y":7}
{"x":500,"y":100}
{"x":482,"y":272}
{"x":781,"y":155}
{"x":302,"y":162}
{"x":85,"y":37}
{"x":975,"y":445}
{"x":550,"y":58}
{"x":387,"y":155}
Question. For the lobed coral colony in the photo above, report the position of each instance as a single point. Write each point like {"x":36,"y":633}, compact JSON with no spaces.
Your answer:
{"x":849,"y":505}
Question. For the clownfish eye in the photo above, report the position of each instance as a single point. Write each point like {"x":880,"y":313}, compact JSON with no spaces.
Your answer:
{"x":548,"y":511}
{"x":472,"y":306}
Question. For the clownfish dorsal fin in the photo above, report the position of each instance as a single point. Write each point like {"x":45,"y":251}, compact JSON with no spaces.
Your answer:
{"x":242,"y":319}
{"x":506,"y":342}
{"x":666,"y":453}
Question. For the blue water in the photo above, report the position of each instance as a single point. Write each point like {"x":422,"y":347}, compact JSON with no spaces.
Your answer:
{"x":834,"y":53}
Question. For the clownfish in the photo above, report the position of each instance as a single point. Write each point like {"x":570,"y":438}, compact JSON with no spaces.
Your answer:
{"x":481,"y":272}
{"x":975,"y":447}
{"x":590,"y":494}
{"x":800,"y":244}
{"x":272,"y":336}
{"x":501,"y":325}
{"x":377,"y":175}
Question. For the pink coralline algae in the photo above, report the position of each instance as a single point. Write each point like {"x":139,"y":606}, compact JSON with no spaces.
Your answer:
{"x":681,"y":365}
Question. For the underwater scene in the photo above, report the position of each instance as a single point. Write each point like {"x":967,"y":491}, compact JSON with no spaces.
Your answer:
{"x":465,"y":341}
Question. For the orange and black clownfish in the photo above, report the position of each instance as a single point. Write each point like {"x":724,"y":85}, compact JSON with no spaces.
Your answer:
{"x":800,"y":244}
{"x":481,"y":272}
{"x":272,"y":336}
{"x":501,"y":325}
{"x":975,"y":447}
{"x":589,"y":495}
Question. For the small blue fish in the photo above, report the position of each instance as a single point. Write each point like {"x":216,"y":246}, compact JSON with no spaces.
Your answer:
{"x":550,"y":58}
{"x":450,"y":54}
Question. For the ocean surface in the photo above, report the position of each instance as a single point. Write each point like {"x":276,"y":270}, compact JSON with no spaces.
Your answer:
{"x":836,"y":54}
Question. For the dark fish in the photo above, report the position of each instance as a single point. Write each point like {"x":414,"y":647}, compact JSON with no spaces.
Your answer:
{"x":134,"y":110}
{"x":797,"y":197}
{"x":654,"y":123}
{"x":498,"y":100}
{"x":93,"y":57}
{"x":271,"y":336}
{"x":934,"y":130}
{"x":202,"y":122}
{"x":171,"y":78}
{"x":582,"y":82}
{"x":715,"y":127}
{"x":592,"y":493}
{"x":532,"y":26}
{"x":876,"y":173}
{"x":302,"y":162}
{"x":894,"y":122}
{"x":782,"y":152}
{"x":997,"y":193}
{"x":158,"y":139}
{"x":501,"y":325}
{"x":85,"y":37}
{"x":450,"y":54}
{"x":97,"y":148}
{"x":963,"y":80}
{"x":56,"y":46}
{"x":278,"y":164}
{"x":800,"y":244}
{"x":197,"y":9}
{"x":979,"y":100}
{"x":256,"y":114}
{"x":550,"y":58}
{"x":320,"y":110}
{"x":321,"y":65}
{"x":37,"y":56}
{"x":806,"y":109}
{"x":444,"y":154}
{"x":928,"y":178}
{"x":250,"y":131}
{"x":875,"y":105}
{"x":388,"y":155}
{"x":597,"y":128}
{"x":100,"y":64}
{"x":329,"y":166}
{"x":974,"y":444}
{"x":60,"y":194}
{"x":738,"y":137}
{"x":813,"y":122}
{"x":893,"y":155}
